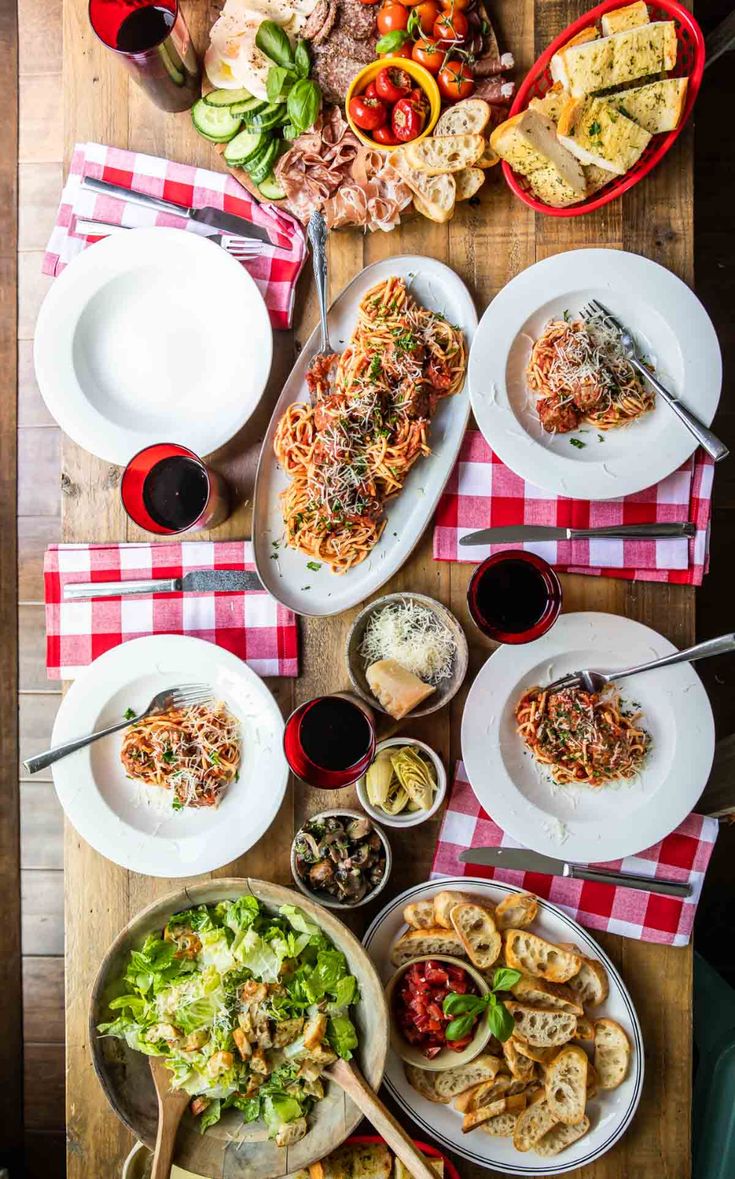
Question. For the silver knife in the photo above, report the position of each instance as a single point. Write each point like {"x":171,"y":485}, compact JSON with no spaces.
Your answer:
{"x":520,"y":859}
{"x":199,"y":581}
{"x":215,"y":218}
{"x":509,"y":533}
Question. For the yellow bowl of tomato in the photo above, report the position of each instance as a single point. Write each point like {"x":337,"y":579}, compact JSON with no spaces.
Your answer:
{"x":392,"y":101}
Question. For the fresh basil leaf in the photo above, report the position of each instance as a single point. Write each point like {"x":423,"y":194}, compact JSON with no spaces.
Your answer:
{"x":303,"y":103}
{"x":505,"y":978}
{"x":461,"y":1027}
{"x":302,"y":60}
{"x":289,"y":132}
{"x":462,"y":1004}
{"x":392,"y":41}
{"x":273,"y":42}
{"x":500,"y":1021}
{"x":276,"y":83}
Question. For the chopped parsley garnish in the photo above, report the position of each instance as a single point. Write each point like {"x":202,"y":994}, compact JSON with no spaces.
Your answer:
{"x":177,"y":804}
{"x":214,"y":757}
{"x":375,"y":367}
{"x":594,"y":128}
{"x":129,"y":713}
{"x":169,"y":757}
{"x":315,"y":566}
{"x":578,"y":443}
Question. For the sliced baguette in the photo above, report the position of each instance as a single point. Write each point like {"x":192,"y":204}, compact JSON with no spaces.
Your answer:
{"x":621,"y":58}
{"x":555,"y":996}
{"x":516,"y":911}
{"x":566,"y":1085}
{"x":559,"y":1137}
{"x":552,"y":103}
{"x":596,"y":132}
{"x":465,"y":1076}
{"x":424,"y":1083}
{"x":521,"y":1067}
{"x":401,"y":1171}
{"x":468,"y":182}
{"x":501,"y":1126}
{"x":656,"y":107}
{"x":483,"y":1114}
{"x":530,"y":145}
{"x":542,"y":1056}
{"x":487,"y":1092}
{"x":444,"y":902}
{"x":612,"y":1054}
{"x":531,"y":954}
{"x":542,"y":1029}
{"x":475,"y":926}
{"x":535,"y":1121}
{"x":590,"y":983}
{"x":489,"y":157}
{"x":469,"y":117}
{"x":434,"y":197}
{"x":628,"y":17}
{"x":444,"y":153}
{"x":419,"y":942}
{"x":355,"y":1161}
{"x":419,"y":915}
{"x":585,"y":1029}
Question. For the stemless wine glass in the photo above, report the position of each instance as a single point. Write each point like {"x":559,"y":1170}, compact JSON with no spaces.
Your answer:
{"x":514,"y":597}
{"x":152,"y":40}
{"x":168,"y":489}
{"x":329,"y":741}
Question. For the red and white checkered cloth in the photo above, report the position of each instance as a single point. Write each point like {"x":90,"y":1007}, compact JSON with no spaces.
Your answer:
{"x":251,"y":624}
{"x":645,"y":916}
{"x":482,"y":492}
{"x":275,"y":270}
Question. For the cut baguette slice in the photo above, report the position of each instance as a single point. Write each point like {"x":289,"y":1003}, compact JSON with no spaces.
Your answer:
{"x":465,"y":1076}
{"x":629,"y":17}
{"x":488,"y":1092}
{"x":444,"y":902}
{"x":484,"y":1113}
{"x":444,"y":153}
{"x":488,"y":159}
{"x":531,"y":954}
{"x":532,"y":1124}
{"x":501,"y":1126}
{"x":424,"y":1083}
{"x":566,"y":1085}
{"x":434,"y":197}
{"x":542,"y":1029}
{"x":400,"y":1171}
{"x":516,"y":911}
{"x":590,"y":983}
{"x":530,"y":145}
{"x":419,"y":915}
{"x":596,"y":132}
{"x":585,"y":1029}
{"x":542,"y":1056}
{"x":468,"y":182}
{"x":469,"y":117}
{"x":552,"y":103}
{"x":657,"y":107}
{"x":612,"y":1054}
{"x":521,"y":1067}
{"x":554,"y":996}
{"x":616,"y":60}
{"x":419,"y":942}
{"x":557,"y":1139}
{"x":477,"y":930}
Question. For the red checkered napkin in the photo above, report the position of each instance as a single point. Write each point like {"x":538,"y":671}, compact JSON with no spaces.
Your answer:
{"x":275,"y":270}
{"x":482,"y":492}
{"x":251,"y":624}
{"x":649,"y":917}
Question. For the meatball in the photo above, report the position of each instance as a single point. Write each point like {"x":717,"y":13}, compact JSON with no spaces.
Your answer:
{"x":587,"y":394}
{"x":556,"y":418}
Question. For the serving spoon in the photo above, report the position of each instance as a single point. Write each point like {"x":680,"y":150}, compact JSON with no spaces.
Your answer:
{"x":171,"y":1106}
{"x":595,"y":681}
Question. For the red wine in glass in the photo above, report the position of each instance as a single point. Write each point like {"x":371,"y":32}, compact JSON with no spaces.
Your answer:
{"x":514,"y":597}
{"x":329,"y":741}
{"x":167,"y":489}
{"x":152,"y":40}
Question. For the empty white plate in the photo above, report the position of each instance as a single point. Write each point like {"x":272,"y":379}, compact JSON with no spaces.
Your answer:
{"x":152,"y":335}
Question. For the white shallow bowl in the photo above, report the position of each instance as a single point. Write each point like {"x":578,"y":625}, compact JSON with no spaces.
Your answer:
{"x":406,"y":818}
{"x":329,"y":902}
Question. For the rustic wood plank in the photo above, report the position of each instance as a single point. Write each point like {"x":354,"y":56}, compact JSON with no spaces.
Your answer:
{"x":31,"y":406}
{"x":42,"y":128}
{"x":41,"y":826}
{"x":32,"y":287}
{"x":32,"y":650}
{"x":36,"y":716}
{"x":39,"y":38}
{"x":42,"y":912}
{"x":43,"y":1000}
{"x":39,"y":189}
{"x":39,"y":466}
{"x":34,"y":534}
{"x":45,"y":1154}
{"x":43,"y":1090}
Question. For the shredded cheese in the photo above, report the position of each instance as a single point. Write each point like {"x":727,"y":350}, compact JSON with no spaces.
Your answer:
{"x":412,"y":635}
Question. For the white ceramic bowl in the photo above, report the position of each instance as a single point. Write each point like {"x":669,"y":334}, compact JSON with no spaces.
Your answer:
{"x":447,"y":1058}
{"x":328,"y":902}
{"x":406,"y":818}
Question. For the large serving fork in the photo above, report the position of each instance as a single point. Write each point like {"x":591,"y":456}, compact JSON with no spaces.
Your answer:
{"x":711,"y":443}
{"x":595,"y":681}
{"x":184,"y":696}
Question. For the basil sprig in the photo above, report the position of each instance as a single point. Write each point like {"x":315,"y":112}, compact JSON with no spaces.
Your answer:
{"x":392,"y":41}
{"x":273,"y":42}
{"x":288,"y":78}
{"x":467,"y":1009}
{"x":302,"y":104}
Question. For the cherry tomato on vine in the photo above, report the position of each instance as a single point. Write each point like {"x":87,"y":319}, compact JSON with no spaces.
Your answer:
{"x":456,"y":80}
{"x":428,"y":54}
{"x":385,"y":136}
{"x":370,"y":91}
{"x":368,"y":113}
{"x":424,"y":15}
{"x":391,"y":17}
{"x":454,"y":5}
{"x":450,"y":28}
{"x":404,"y":50}
{"x":393,"y":83}
{"x":408,"y":120}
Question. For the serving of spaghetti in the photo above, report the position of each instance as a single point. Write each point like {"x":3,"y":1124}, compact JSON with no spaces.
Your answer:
{"x":582,"y":737}
{"x":194,"y":752}
{"x":581,"y":374}
{"x":351,"y":448}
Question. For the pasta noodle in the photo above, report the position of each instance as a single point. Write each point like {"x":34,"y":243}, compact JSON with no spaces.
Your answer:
{"x":581,"y":374}
{"x":582,"y":737}
{"x":368,"y":422}
{"x":195,"y":752}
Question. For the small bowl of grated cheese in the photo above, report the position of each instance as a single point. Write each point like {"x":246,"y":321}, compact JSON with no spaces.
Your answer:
{"x":406,"y":655}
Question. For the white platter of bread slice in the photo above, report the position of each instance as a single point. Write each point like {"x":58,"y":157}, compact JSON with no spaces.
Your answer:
{"x":564,"y":1088}
{"x":612,"y":93}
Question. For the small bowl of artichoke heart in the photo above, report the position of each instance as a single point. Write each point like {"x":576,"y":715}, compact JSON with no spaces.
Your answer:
{"x":405,"y":784}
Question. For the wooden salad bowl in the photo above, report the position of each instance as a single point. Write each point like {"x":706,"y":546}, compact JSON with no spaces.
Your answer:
{"x":230,"y":1149}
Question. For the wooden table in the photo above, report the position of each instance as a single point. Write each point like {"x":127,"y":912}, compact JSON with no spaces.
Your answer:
{"x":487,"y":245}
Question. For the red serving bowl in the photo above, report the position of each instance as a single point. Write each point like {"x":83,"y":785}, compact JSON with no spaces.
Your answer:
{"x":450,"y":1171}
{"x":689,"y":62}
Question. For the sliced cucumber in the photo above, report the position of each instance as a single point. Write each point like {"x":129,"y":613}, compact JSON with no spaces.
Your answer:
{"x":271,"y":189}
{"x":265,"y":119}
{"x":243,"y":146}
{"x":227,"y":97}
{"x":258,"y":172}
{"x":252,"y":105}
{"x":215,"y":122}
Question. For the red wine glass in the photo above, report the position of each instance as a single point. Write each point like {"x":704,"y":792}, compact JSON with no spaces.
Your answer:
{"x":514,"y":597}
{"x":151,"y":38}
{"x":330,"y":741}
{"x":168,"y":489}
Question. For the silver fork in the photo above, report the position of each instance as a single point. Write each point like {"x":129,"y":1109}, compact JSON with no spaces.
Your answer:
{"x":184,"y":696}
{"x":241,"y":248}
{"x":317,"y":234}
{"x":705,"y":437}
{"x":595,"y":681}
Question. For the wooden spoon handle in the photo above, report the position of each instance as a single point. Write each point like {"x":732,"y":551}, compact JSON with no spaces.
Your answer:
{"x":163,"y":1155}
{"x":356,"y":1087}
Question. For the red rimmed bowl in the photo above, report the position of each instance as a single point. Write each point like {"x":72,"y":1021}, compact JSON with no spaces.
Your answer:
{"x":689,"y":63}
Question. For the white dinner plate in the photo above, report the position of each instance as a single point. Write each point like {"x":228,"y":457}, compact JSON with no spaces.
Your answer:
{"x":133,"y":825}
{"x":582,"y":823}
{"x":152,"y":335}
{"x":610,"y":1113}
{"x":669,"y":323}
{"x":285,"y":572}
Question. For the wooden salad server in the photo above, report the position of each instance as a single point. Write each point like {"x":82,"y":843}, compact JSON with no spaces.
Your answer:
{"x":171,"y":1106}
{"x":351,"y":1080}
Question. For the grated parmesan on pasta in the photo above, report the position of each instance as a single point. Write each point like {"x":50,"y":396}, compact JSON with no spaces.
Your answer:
{"x":412,"y":635}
